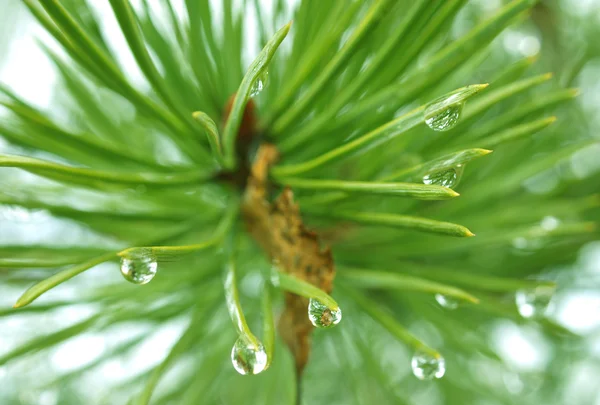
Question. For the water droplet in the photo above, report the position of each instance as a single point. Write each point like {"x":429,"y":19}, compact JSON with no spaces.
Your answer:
{"x":549,"y":223}
{"x":527,"y":245}
{"x":445,"y":119}
{"x":274,"y":275}
{"x":426,"y":366}
{"x":48,"y":398}
{"x":247,"y":358}
{"x":535,"y":239}
{"x":513,"y":383}
{"x":520,"y":242}
{"x":446,"y":302}
{"x":533,"y":303}
{"x":260,"y":84}
{"x":139,"y":270}
{"x":322,"y":316}
{"x":447,"y":178}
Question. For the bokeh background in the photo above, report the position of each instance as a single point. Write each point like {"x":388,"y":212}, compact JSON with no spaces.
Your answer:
{"x":561,"y":34}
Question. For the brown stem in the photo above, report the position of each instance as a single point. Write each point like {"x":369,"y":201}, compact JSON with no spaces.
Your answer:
{"x":279,"y":229}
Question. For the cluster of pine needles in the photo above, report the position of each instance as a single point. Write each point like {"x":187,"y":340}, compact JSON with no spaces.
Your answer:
{"x":383,"y":123}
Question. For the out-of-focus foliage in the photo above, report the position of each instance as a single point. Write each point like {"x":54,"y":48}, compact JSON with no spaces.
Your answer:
{"x":9,"y":28}
{"x":118,"y":161}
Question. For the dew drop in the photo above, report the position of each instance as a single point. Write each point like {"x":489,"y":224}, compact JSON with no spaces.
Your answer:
{"x":535,"y":240}
{"x":533,"y":303}
{"x":527,"y":245}
{"x":322,"y":316}
{"x":260,"y":84}
{"x":549,"y":223}
{"x":427,"y":367}
{"x":247,"y":358}
{"x":445,"y":119}
{"x":275,"y":273}
{"x":139,"y":270}
{"x":446,"y":302}
{"x":447,"y":178}
{"x":519,"y":242}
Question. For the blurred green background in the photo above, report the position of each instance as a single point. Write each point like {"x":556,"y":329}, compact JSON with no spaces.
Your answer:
{"x":537,"y":369}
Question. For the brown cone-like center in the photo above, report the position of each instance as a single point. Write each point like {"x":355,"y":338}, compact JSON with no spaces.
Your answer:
{"x":278,"y":228}
{"x":326,"y":318}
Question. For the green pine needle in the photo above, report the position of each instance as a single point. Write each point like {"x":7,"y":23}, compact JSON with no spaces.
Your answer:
{"x":364,"y":102}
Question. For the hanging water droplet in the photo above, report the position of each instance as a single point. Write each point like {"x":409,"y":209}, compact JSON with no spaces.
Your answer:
{"x":442,"y":120}
{"x":446,"y":302}
{"x":513,"y":383}
{"x":520,"y":242}
{"x":447,"y":178}
{"x":534,"y":240}
{"x":259,"y":84}
{"x":549,"y":223}
{"x":247,"y":358}
{"x":426,"y":366}
{"x":533,"y":303}
{"x":274,"y":274}
{"x":139,"y":270}
{"x":322,"y":316}
{"x":527,"y":245}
